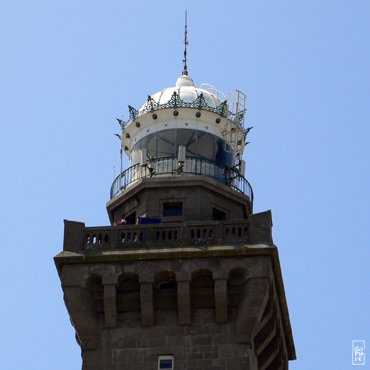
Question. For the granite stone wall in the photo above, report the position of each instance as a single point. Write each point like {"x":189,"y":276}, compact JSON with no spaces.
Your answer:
{"x":206,"y":312}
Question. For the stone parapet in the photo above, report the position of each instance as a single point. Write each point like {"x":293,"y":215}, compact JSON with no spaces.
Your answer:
{"x":255,"y":230}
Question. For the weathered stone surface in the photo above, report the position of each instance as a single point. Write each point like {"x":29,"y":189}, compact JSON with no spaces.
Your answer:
{"x":110,"y":305}
{"x":147,"y":308}
{"x":198,"y":337}
{"x":221,"y":301}
{"x":83,"y":317}
{"x":198,"y":193}
{"x":183,"y":299}
{"x":253,"y":302}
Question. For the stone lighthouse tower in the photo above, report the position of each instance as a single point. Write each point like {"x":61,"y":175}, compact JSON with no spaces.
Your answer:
{"x":186,"y":276}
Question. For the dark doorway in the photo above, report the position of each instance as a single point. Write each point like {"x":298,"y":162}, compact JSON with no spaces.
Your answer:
{"x":131,"y":219}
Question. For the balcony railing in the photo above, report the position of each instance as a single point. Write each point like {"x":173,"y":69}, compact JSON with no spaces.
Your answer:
{"x":169,"y":166}
{"x":166,"y":235}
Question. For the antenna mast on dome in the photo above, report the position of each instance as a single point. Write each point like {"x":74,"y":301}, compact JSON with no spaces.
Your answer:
{"x":185,"y":70}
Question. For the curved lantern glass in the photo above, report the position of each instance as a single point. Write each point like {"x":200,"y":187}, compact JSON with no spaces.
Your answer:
{"x":199,"y":144}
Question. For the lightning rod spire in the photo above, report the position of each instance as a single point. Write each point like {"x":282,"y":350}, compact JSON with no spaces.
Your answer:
{"x":186,"y":43}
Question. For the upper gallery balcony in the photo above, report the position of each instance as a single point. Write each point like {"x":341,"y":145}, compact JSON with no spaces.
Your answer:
{"x":192,"y":166}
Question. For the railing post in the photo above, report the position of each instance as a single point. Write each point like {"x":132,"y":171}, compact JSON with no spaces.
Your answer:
{"x":184,"y":235}
{"x":219,"y":233}
{"x":148,"y":235}
{"x":113,"y":237}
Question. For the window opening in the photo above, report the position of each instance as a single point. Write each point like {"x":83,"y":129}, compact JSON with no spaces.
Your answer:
{"x":168,"y":285}
{"x":218,"y":215}
{"x":165,"y":362}
{"x":172,"y":209}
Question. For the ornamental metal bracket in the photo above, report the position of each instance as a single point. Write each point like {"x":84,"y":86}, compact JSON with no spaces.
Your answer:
{"x":122,"y":123}
{"x":150,"y":105}
{"x":239,"y":119}
{"x":133,"y":112}
{"x":222,"y":109}
{"x":246,"y":131}
{"x":200,"y":102}
{"x":175,"y":100}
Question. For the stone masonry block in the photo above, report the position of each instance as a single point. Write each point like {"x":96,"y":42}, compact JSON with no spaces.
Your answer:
{"x":221,"y":301}
{"x":146,"y":302}
{"x":110,"y":306}
{"x":183,"y":302}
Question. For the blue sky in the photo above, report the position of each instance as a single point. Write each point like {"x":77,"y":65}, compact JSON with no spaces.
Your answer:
{"x":68,"y":68}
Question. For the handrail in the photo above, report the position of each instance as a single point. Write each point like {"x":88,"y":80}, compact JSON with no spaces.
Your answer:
{"x":192,"y":166}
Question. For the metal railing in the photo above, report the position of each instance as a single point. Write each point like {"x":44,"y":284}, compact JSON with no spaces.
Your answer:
{"x":169,"y":166}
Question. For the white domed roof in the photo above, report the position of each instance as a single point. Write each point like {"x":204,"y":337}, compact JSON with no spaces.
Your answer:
{"x":186,"y":91}
{"x":184,"y":80}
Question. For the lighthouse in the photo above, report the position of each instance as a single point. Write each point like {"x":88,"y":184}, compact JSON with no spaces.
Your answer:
{"x":186,"y":276}
{"x":184,"y":137}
